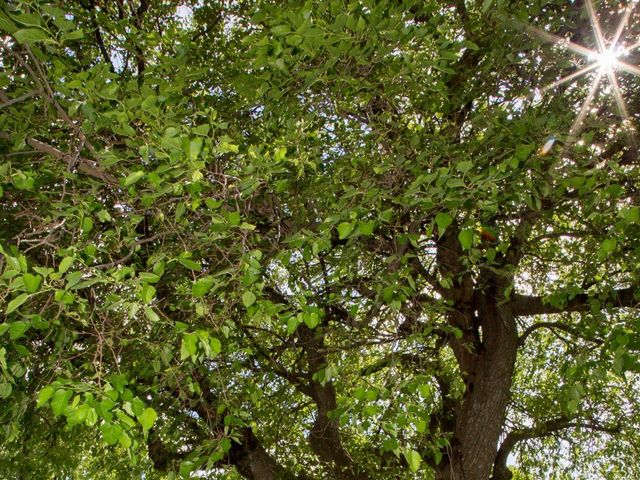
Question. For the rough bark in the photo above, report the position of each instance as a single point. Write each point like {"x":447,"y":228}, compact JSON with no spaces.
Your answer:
{"x":253,"y":462}
{"x":486,"y":354}
{"x":480,"y":416}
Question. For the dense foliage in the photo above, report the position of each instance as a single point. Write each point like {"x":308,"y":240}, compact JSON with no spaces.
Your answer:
{"x":316,"y":240}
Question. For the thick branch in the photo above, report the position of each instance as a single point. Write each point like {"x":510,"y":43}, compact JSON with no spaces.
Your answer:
{"x":324,"y":437}
{"x":524,"y":305}
{"x":253,"y":462}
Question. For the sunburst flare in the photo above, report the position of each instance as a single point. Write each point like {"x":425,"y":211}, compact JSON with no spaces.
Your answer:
{"x":606,"y":60}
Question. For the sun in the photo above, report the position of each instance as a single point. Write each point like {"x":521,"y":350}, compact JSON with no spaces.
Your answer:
{"x":605,"y":61}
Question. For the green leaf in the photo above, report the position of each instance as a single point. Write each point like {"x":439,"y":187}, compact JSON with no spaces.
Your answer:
{"x":464,"y":166}
{"x":213,"y":204}
{"x":226,"y":147}
{"x":18,"y":329}
{"x":413,"y":459}
{"x":124,"y":439}
{"x":202,"y":286}
{"x":311,"y":319}
{"x":45,"y":394}
{"x":234,"y":218}
{"x":420,"y":425}
{"x":6,"y":24}
{"x":189,"y":346}
{"x":216,"y":346}
{"x":248,"y":298}
{"x":133,"y":178}
{"x":425,"y":390}
{"x":195,"y":146}
{"x":149,"y":277}
{"x":443,"y":220}
{"x":111,"y":433}
{"x":87,"y":225}
{"x":60,"y":400}
{"x":367,"y":228}
{"x":29,"y":19}
{"x":147,"y":418}
{"x":292,"y":325}
{"x":281,"y":30}
{"x":27,"y":35}
{"x":631,"y":214}
{"x":186,"y":468}
{"x":92,"y":417}
{"x":466,"y":238}
{"x":147,"y":293}
{"x":608,"y":246}
{"x":5,"y":389}
{"x":390,"y":444}
{"x":65,"y":26}
{"x":524,"y":150}
{"x":344,"y":229}
{"x":16,"y":302}
{"x":65,"y":263}
{"x":52,"y":11}
{"x":151,"y":314}
{"x":190,"y":264}
{"x":31,"y":282}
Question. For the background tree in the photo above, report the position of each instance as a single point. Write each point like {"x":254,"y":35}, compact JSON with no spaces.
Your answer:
{"x":317,"y":240}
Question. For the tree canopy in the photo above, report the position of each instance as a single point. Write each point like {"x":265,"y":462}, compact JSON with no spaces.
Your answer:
{"x":319,"y":240}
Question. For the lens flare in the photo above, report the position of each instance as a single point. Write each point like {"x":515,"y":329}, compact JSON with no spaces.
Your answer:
{"x":605,"y":60}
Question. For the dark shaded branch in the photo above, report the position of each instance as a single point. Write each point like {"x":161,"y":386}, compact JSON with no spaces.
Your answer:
{"x":448,"y":258}
{"x":162,"y":457}
{"x":629,"y":156}
{"x":557,"y":326}
{"x":524,"y":305}
{"x":138,"y":17}
{"x":7,"y":102}
{"x":520,"y":237}
{"x":98,"y":36}
{"x":500,"y":469}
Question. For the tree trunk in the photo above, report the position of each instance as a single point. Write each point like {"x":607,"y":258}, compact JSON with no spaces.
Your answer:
{"x":252,"y":461}
{"x":480,"y":416}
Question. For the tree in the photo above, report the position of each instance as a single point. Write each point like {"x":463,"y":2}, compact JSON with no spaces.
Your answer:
{"x":317,"y":240}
